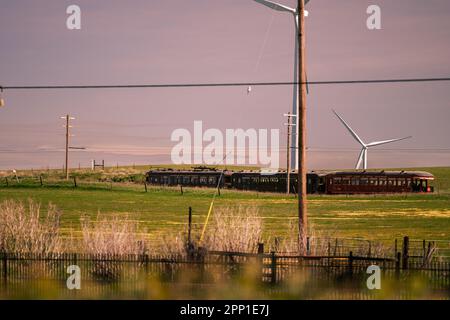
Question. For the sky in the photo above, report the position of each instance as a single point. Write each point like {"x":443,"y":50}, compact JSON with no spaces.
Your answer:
{"x":201,"y":41}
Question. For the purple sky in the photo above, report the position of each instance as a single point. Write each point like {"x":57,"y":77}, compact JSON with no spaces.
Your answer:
{"x":182,"y":41}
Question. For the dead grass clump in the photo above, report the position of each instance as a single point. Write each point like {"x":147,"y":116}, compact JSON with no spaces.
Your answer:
{"x":115,"y":235}
{"x":234,"y":230}
{"x":24,"y":229}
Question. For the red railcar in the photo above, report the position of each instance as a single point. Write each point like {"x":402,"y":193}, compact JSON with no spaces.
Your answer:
{"x":363,"y":182}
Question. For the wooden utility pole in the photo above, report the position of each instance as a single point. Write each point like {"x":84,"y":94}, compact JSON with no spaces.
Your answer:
{"x":301,"y":130}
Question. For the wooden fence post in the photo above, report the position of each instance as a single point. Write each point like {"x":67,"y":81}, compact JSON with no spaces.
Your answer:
{"x":6,"y":180}
{"x":350,"y":263}
{"x":308,"y":246}
{"x":273,"y":268}
{"x":424,"y":249}
{"x":145,"y":186}
{"x":260,"y":261}
{"x":260,"y":248}
{"x":40,"y":180}
{"x":146,"y":261}
{"x":397,"y":265}
{"x":181,"y":189}
{"x":405,"y":256}
{"x":395,"y":248}
{"x":190,"y":248}
{"x":5,"y":268}
{"x":75,"y":182}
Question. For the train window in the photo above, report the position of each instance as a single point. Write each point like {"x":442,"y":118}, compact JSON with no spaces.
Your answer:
{"x":408,"y":182}
{"x":382,"y":181}
{"x":194,"y":180}
{"x":355,"y":181}
{"x":373,"y":181}
{"x":337,"y":180}
{"x":276,"y":180}
{"x":346,"y":181}
{"x":203,"y":180}
{"x":212,"y":180}
{"x":391,"y":182}
{"x":255,"y":179}
{"x":364,"y":181}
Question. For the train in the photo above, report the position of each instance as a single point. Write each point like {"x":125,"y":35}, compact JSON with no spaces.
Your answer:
{"x":320,"y":182}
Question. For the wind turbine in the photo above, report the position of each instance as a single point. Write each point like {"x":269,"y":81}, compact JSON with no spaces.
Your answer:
{"x":295,"y":13}
{"x":365,"y":146}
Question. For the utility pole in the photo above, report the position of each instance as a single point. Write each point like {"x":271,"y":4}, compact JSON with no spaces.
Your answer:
{"x":67,"y":125}
{"x":289,"y":125}
{"x":301,"y":130}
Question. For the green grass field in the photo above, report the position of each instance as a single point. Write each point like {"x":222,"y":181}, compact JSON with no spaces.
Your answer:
{"x":163,"y":211}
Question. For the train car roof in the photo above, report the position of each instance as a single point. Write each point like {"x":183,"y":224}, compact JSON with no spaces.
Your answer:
{"x":162,"y":171}
{"x":419,"y":174}
{"x":321,"y":173}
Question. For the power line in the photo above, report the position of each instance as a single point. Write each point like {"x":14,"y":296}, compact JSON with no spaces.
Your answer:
{"x":224,"y":84}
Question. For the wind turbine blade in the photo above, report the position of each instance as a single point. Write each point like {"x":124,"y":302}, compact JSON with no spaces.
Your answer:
{"x":358,"y":164}
{"x":276,"y":6}
{"x":379,"y":143}
{"x":353,"y":133}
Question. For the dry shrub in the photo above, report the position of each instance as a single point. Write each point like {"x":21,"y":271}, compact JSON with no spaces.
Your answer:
{"x":23,"y":229}
{"x":234,"y":230}
{"x":115,"y":235}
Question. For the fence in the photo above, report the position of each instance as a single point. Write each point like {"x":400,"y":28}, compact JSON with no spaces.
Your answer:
{"x":204,"y":275}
